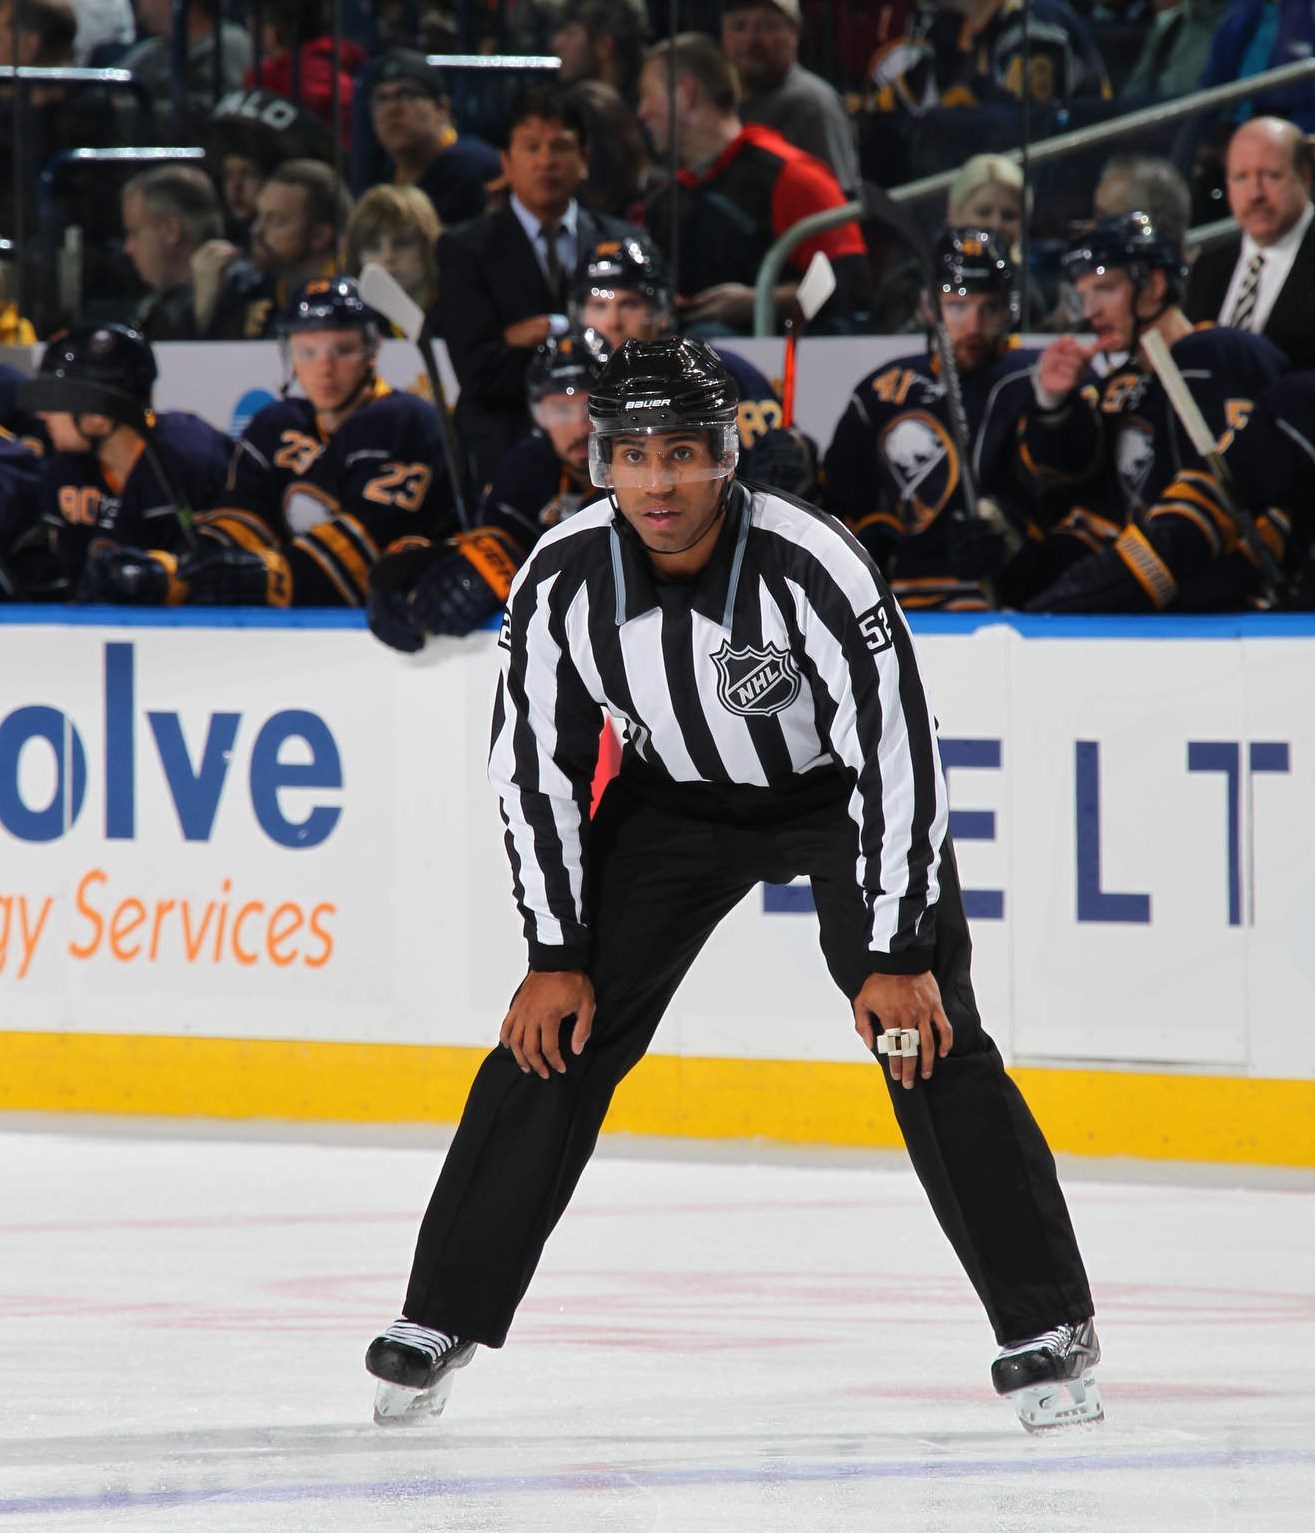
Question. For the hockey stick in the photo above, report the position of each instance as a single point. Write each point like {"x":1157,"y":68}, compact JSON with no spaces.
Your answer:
{"x":1203,"y":440}
{"x":818,"y":284}
{"x":382,"y":291}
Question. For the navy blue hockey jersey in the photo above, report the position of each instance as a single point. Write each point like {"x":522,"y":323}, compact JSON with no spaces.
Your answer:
{"x":82,"y":503}
{"x":334,"y":502}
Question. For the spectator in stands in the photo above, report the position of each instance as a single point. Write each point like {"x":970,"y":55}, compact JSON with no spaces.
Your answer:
{"x":602,"y":40}
{"x":102,"y":26}
{"x":151,"y":58}
{"x":761,"y":40}
{"x":168,"y":213}
{"x":1145,"y":183}
{"x":1177,"y":47}
{"x":303,"y":27}
{"x":738,"y":190}
{"x":301,"y":214}
{"x":412,"y":119}
{"x":618,"y":156}
{"x":249,"y":133}
{"x":504,"y":279}
{"x":1261,"y":279}
{"x":974,"y":52}
{"x":988,"y":193}
{"x":396,"y":228}
{"x":58,"y":118}
{"x":1256,"y":35}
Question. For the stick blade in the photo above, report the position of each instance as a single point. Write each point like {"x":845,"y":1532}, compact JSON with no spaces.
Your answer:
{"x":386,"y":296}
{"x":818,"y":285}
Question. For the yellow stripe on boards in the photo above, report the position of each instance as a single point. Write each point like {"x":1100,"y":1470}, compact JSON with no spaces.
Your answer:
{"x":1083,"y":1112}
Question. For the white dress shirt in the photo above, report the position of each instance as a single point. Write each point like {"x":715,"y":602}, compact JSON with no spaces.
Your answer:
{"x":1273,"y":274}
{"x":567,"y":248}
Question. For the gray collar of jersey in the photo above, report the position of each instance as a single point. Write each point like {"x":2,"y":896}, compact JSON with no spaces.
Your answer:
{"x":712,"y":594}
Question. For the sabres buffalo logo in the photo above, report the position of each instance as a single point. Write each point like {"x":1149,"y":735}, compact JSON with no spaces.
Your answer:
{"x":1135,"y":456}
{"x":756,"y":682}
{"x":921,"y":459}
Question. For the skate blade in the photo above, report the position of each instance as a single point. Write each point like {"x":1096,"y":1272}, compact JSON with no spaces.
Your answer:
{"x":1046,"y":1407}
{"x":397,"y":1406}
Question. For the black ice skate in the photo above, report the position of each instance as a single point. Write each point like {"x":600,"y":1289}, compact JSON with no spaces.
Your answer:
{"x":414,"y":1366}
{"x":1048,"y":1377}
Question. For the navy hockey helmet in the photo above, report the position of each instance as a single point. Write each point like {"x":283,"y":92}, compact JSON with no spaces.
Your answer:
{"x":94,"y":369}
{"x":329,"y":303}
{"x":566,"y":364}
{"x":1133,"y":242}
{"x":649,"y":388}
{"x":632,"y":264}
{"x":971,"y":260}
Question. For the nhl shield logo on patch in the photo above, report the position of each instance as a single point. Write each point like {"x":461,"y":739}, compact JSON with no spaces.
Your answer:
{"x":755,"y":682}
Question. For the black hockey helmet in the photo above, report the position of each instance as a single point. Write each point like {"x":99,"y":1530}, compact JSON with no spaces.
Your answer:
{"x":971,"y":260}
{"x":675,"y":383}
{"x":329,"y":303}
{"x":94,"y":369}
{"x":566,"y":364}
{"x":1134,"y":242}
{"x":632,"y":264}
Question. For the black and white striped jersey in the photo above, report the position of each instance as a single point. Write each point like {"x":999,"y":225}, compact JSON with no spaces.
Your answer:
{"x":787,"y":656}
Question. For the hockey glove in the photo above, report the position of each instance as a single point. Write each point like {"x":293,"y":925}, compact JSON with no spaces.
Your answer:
{"x":236,"y":577}
{"x":467,"y":585}
{"x":978,"y":547}
{"x":1101,"y":582}
{"x":784,"y":459}
{"x":393,"y":576}
{"x":136,"y":577}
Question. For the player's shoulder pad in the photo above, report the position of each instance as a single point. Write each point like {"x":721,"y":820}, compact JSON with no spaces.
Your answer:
{"x":278,"y":416}
{"x":797,"y":522}
{"x":190,"y":433}
{"x":1223,"y":347}
{"x":751,"y":383}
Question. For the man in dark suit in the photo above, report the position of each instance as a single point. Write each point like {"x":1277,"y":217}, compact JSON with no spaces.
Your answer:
{"x":504,"y":278}
{"x":1261,"y":279}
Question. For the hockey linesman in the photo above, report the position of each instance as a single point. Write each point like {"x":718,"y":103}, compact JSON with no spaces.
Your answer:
{"x":424,"y":586}
{"x":1190,"y":553}
{"x":321,"y":482}
{"x":1116,"y":443}
{"x":776,"y":725}
{"x":108,"y":488}
{"x":892,"y":471}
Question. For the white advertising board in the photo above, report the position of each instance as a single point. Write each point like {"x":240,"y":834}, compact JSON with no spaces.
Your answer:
{"x":276,"y":828}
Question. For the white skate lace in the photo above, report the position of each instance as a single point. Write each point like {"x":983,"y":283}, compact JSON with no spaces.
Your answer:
{"x":434,"y":1344}
{"x":1057,"y":1341}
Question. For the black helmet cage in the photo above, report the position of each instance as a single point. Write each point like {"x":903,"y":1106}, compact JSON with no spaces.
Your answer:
{"x":654,"y":388}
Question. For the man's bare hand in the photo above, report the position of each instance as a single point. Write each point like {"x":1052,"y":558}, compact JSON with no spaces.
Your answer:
{"x":1064,"y":364}
{"x":209,"y":263}
{"x":532,"y":1028}
{"x":905,"y":1001}
{"x":528,"y":332}
{"x":728,"y":303}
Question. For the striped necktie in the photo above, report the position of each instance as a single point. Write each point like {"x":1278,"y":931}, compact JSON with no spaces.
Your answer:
{"x":1244,"y":305}
{"x":555,"y":272}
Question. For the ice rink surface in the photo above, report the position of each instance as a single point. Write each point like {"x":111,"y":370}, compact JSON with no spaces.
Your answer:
{"x":709,"y":1345}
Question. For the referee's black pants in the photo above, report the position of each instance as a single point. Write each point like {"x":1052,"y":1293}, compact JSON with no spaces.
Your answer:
{"x":660,"y":881}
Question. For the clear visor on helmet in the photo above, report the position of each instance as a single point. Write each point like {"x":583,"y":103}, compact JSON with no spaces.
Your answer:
{"x":570,"y":407}
{"x":640,"y":457}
